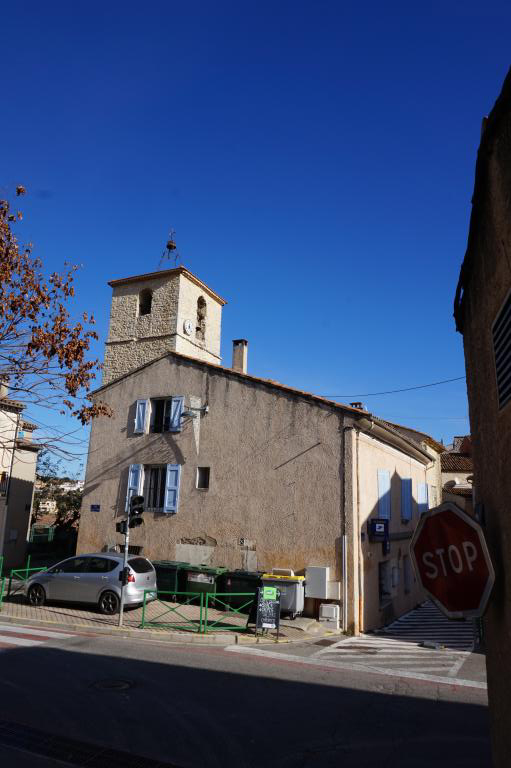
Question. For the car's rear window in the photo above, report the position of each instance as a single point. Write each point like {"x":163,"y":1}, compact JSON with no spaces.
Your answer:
{"x":140,"y":565}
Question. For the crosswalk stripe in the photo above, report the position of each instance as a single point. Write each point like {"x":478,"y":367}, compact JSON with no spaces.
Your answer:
{"x":49,"y":633}
{"x":19,"y":641}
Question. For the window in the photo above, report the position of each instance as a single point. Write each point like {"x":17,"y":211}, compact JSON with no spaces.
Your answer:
{"x":75,"y":565}
{"x":200,"y":325}
{"x":140,"y":565}
{"x":384,"y":586}
{"x":166,"y":414}
{"x":423,"y":498}
{"x":158,"y":484}
{"x":203,"y":478}
{"x":407,"y":574}
{"x":406,"y":498}
{"x":145,"y":300}
{"x":384,"y":506}
{"x":154,"y":490}
{"x":502,"y":351}
{"x":101,"y":565}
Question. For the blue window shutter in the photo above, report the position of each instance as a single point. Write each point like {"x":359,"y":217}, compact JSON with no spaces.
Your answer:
{"x":384,"y":494}
{"x":135,"y":475}
{"x":141,"y":414}
{"x":406,"y":498}
{"x":172,"y":489}
{"x":423,"y":498}
{"x":176,"y":411}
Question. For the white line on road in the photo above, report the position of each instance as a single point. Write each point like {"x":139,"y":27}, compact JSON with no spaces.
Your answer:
{"x":355,"y":667}
{"x":36,"y":632}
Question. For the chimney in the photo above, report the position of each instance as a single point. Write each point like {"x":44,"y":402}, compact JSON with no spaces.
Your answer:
{"x":239,"y":355}
{"x":4,"y":387}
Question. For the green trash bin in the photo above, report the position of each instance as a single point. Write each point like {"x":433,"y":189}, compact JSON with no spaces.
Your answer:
{"x":170,"y":577}
{"x":203,"y":578}
{"x":240,"y":581}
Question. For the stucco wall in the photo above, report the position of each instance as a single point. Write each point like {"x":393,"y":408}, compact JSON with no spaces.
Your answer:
{"x":275,"y":471}
{"x":21,"y":491}
{"x":488,"y":281}
{"x":374,"y":455}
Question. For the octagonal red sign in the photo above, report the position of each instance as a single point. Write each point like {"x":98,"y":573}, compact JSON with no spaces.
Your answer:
{"x":452,"y":561}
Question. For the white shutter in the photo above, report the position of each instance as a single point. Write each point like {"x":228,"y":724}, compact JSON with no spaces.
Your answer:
{"x":135,"y":482}
{"x":172,"y":489}
{"x":141,"y":416}
{"x":384,"y":509}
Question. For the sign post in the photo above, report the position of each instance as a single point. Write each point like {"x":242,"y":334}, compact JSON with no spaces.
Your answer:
{"x":452,"y":561}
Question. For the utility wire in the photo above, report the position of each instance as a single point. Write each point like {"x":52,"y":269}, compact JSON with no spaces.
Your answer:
{"x":405,"y":389}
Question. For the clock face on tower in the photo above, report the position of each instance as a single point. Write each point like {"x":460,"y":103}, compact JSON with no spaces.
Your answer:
{"x":188,"y":327}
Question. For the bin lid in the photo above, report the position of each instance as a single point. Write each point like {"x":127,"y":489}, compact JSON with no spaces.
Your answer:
{"x":276,"y":577}
{"x":170,"y":564}
{"x":212,"y":570}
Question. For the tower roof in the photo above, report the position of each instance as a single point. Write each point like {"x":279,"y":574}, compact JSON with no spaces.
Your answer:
{"x":169,"y":273}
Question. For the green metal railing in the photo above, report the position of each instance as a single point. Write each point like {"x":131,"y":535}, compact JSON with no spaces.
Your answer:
{"x":222,"y":624}
{"x":200,"y":622}
{"x":195,"y":599}
{"x":3,"y":579}
{"x":22,"y":574}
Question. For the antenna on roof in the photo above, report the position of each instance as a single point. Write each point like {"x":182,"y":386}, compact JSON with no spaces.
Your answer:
{"x":170,"y":250}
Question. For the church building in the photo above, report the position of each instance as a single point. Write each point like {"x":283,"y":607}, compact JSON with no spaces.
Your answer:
{"x":242,"y":471}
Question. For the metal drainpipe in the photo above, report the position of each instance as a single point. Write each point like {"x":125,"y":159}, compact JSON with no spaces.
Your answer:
{"x":344,"y":537}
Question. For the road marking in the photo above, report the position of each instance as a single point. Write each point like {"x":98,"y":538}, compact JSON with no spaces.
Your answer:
{"x":36,"y":632}
{"x":334,"y":665}
{"x":25,"y":637}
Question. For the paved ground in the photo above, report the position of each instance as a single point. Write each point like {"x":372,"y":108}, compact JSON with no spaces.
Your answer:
{"x":166,"y":618}
{"x":88,"y":699}
{"x":21,"y":636}
{"x":428,"y":624}
{"x":421,"y":645}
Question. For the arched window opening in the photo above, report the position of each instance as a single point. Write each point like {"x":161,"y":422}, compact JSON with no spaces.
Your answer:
{"x":145,"y":299}
{"x":200,"y":327}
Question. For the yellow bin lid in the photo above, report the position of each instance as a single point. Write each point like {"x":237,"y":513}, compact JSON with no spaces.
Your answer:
{"x":275,"y":576}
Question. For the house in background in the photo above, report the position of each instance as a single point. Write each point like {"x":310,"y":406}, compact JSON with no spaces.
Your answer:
{"x":457,"y":473}
{"x":246,"y":472}
{"x":18,"y":457}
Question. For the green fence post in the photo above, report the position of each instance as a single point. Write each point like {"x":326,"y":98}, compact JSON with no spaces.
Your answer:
{"x":143,"y":610}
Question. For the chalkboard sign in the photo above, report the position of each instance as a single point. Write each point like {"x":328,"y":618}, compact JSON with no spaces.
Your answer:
{"x":266,"y":609}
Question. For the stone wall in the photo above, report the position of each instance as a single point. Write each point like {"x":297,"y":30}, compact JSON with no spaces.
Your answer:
{"x":134,"y":339}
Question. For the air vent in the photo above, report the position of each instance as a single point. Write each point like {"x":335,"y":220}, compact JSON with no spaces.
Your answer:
{"x":502,"y":351}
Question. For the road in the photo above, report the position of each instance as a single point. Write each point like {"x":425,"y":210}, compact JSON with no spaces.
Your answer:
{"x":104,"y":701}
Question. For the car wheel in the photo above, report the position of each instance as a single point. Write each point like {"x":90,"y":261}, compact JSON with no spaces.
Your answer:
{"x":109,"y":603}
{"x":36,"y":595}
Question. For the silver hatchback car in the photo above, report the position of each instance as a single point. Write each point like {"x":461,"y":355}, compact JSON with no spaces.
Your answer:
{"x":93,"y":579}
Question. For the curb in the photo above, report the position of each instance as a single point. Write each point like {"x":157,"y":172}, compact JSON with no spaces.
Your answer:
{"x":225,"y":638}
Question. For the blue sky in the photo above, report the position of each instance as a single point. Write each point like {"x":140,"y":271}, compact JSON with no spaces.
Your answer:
{"x":315,"y":159}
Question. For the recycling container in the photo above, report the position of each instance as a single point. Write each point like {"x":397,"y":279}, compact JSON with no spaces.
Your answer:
{"x":203,"y":578}
{"x":239,"y":581}
{"x":292,"y":592}
{"x":170,"y":576}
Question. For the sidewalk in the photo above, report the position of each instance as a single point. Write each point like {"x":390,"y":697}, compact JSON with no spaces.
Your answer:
{"x":15,"y":609}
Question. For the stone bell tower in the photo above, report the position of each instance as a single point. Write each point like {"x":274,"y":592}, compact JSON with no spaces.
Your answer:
{"x":166,"y":311}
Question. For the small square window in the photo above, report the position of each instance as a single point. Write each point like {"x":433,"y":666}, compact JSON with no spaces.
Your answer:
{"x":203,"y":478}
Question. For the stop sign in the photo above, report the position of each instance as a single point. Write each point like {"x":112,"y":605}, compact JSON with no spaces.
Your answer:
{"x":452,"y":562}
